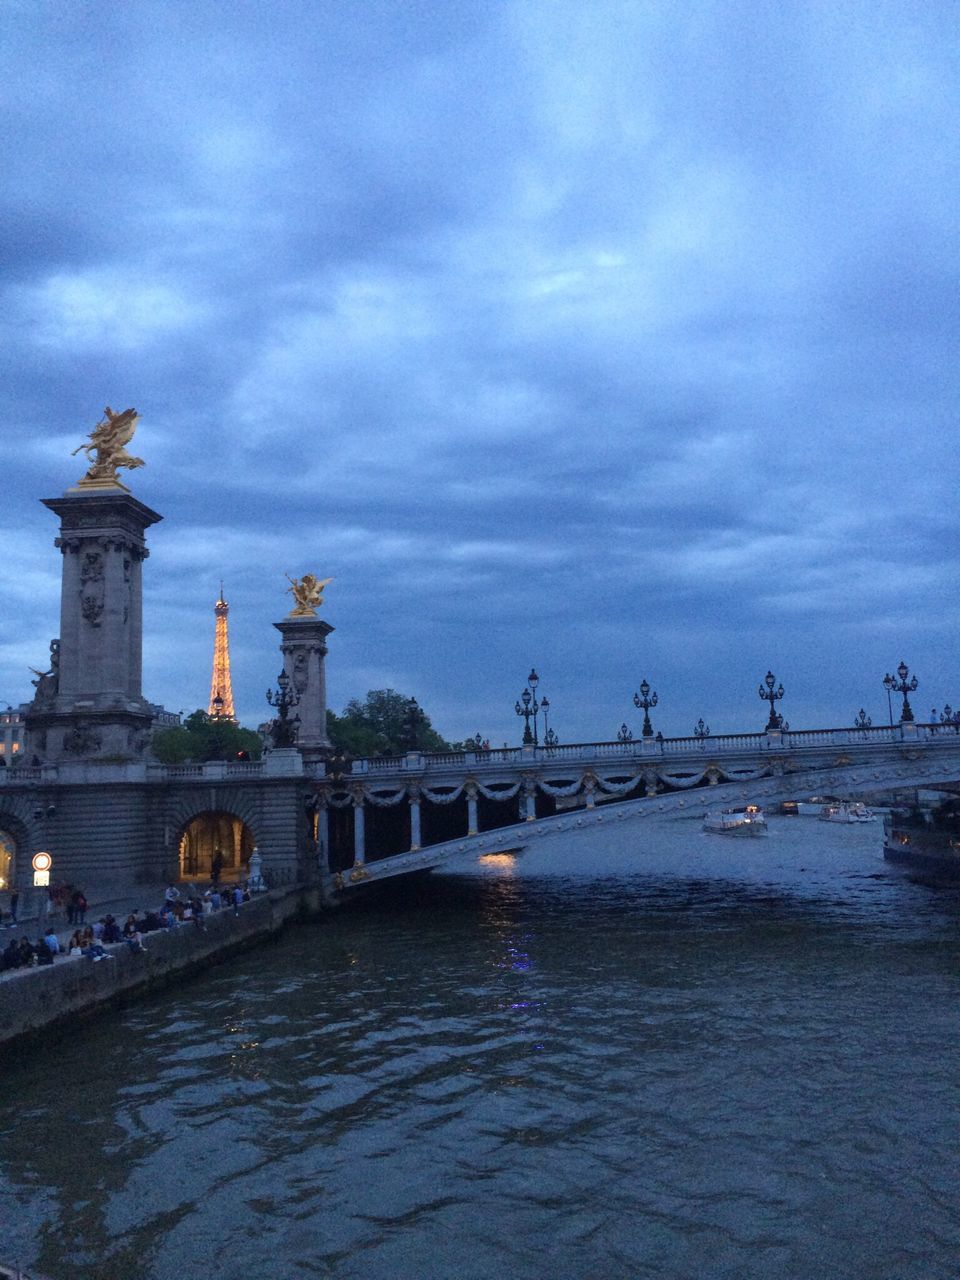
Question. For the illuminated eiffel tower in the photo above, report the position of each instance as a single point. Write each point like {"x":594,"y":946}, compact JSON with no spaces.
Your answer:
{"x":221,"y":690}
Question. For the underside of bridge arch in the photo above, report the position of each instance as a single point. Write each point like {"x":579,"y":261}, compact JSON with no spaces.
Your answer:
{"x":440,"y":822}
{"x":388,"y":829}
{"x":497,"y":813}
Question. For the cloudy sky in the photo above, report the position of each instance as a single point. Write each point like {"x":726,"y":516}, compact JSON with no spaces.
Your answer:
{"x":619,"y":339}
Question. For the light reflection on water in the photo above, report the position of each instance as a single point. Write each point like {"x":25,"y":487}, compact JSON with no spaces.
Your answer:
{"x":642,"y":1052}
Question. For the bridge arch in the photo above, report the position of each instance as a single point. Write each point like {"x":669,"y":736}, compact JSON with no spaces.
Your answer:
{"x":213,"y":832}
{"x":17,"y":844}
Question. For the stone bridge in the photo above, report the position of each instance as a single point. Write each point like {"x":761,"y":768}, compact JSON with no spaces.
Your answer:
{"x":106,"y":822}
{"x":499,"y":799}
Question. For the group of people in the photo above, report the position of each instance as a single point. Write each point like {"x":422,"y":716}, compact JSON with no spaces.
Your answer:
{"x":59,"y":899}
{"x":91,"y":940}
{"x":21,"y":953}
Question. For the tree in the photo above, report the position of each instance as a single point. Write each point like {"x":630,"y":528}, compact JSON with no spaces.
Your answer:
{"x":385,"y":723}
{"x":201,"y":737}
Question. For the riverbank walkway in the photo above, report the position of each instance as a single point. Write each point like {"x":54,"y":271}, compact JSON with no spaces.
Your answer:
{"x":120,"y":901}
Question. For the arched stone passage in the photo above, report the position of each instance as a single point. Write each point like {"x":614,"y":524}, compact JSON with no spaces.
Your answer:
{"x":14,"y":851}
{"x":209,"y":833}
{"x":8,"y":859}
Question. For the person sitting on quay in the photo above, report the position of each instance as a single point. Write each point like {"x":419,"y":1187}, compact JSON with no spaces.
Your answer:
{"x":131,"y":926}
{"x":111,"y":930}
{"x":171,"y":894}
{"x":10,"y":958}
{"x":42,"y":953}
{"x":28,"y":953}
{"x":75,"y":945}
{"x":134,"y":940}
{"x":237,"y":899}
{"x":52,"y":941}
{"x":150,"y":922}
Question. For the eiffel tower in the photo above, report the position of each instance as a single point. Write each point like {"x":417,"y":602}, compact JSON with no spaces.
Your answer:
{"x":221,"y":690}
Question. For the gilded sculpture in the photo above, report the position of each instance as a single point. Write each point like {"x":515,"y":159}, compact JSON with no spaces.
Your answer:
{"x":107,"y":450}
{"x":307,"y":595}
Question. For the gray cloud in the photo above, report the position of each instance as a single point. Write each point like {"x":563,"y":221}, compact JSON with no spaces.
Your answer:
{"x":620,"y":340}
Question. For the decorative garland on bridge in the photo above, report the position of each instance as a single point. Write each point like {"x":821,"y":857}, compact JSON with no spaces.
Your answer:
{"x":384,"y":799}
{"x":550,"y":790}
{"x":505,"y":793}
{"x":442,"y":797}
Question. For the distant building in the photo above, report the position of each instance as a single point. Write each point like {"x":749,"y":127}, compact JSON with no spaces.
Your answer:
{"x":162,"y":718}
{"x":12,"y":734}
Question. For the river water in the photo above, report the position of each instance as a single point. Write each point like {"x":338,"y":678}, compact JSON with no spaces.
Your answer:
{"x":642,"y":1052}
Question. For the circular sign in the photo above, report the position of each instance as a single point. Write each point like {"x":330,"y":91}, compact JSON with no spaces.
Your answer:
{"x":42,"y":862}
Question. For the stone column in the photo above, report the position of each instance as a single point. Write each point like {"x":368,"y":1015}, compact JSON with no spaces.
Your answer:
{"x":359,"y":844}
{"x":93,"y":706}
{"x":471,"y":808}
{"x":304,"y":648}
{"x":414,"y":793}
{"x":323,"y":833}
{"x":530,"y":799}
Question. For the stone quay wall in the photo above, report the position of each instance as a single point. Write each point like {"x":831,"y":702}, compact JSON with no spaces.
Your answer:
{"x":46,"y":999}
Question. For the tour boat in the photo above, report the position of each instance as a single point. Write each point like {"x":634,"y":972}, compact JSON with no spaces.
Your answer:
{"x":813,"y":807}
{"x":748,"y":821}
{"x":925,"y":843}
{"x":846,"y":811}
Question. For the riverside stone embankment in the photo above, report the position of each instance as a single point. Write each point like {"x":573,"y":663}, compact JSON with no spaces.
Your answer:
{"x":44,"y":999}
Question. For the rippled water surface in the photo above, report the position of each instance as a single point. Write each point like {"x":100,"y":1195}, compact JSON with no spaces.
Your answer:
{"x":647,"y":1052}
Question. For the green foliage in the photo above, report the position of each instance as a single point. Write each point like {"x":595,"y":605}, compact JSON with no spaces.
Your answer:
{"x":199,"y":738}
{"x":386,"y":723}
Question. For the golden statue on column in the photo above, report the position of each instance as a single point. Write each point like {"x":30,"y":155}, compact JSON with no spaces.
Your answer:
{"x":307,"y":595}
{"x":107,"y":448}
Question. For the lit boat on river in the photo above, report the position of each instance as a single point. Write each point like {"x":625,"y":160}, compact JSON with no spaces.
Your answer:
{"x":846,"y":811}
{"x":748,"y":821}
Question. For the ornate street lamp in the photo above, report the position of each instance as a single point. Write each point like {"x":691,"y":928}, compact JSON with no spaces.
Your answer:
{"x":283,"y":730}
{"x":545,"y":708}
{"x":532,"y":681}
{"x":950,"y":717}
{"x":771,"y":695}
{"x":645,"y":702}
{"x":701,"y":730}
{"x":528,"y":706}
{"x":550,"y":739}
{"x":862,"y":720}
{"x":904,"y":686}
{"x":624,"y":734}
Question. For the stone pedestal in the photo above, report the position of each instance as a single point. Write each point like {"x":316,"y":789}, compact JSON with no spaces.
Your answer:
{"x":91,"y":706}
{"x":304,"y":648}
